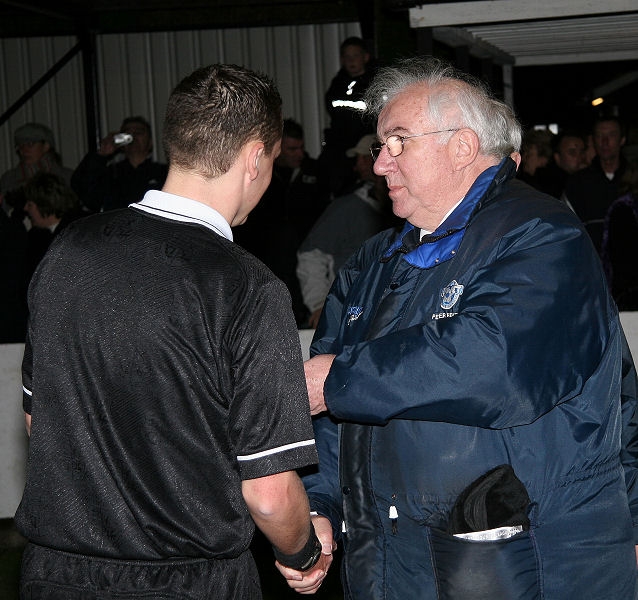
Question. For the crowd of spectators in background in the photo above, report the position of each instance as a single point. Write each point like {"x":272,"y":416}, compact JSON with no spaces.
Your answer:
{"x":600,"y":189}
{"x":315,"y":212}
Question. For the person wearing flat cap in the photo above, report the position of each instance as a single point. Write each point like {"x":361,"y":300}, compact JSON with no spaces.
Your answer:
{"x":35,"y":146}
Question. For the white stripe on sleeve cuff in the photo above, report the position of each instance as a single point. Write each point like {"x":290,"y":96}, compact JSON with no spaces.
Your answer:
{"x":276,"y":450}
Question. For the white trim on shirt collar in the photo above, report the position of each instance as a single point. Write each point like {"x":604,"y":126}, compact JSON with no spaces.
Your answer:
{"x":184,"y":210}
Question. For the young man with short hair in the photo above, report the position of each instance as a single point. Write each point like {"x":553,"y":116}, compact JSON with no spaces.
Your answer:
{"x":163,"y":382}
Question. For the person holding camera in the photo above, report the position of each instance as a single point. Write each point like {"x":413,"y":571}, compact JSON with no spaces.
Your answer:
{"x":121,"y":171}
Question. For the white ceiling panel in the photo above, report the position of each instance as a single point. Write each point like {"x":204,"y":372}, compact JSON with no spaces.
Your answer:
{"x":524,"y":32}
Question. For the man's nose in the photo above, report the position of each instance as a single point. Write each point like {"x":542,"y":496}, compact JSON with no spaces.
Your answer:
{"x":384,"y":163}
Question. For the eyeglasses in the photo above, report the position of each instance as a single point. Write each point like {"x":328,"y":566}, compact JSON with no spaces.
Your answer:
{"x":395,"y":143}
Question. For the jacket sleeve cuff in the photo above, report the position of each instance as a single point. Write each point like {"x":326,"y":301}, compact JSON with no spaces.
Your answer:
{"x":325,"y":507}
{"x":353,"y":405}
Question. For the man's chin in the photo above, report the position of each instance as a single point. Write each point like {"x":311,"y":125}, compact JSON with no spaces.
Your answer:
{"x":399,"y":210}
{"x":398,"y":203}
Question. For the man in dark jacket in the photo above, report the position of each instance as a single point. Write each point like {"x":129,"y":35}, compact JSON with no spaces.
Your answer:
{"x":592,"y":191}
{"x":344,"y":103}
{"x":288,"y":209}
{"x":102,"y":182}
{"x":480,"y":340}
{"x":568,"y":158}
{"x":50,"y":205}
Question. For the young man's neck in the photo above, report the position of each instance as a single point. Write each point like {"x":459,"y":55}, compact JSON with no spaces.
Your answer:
{"x":220,"y":193}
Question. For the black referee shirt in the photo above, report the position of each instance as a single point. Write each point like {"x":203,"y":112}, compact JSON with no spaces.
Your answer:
{"x":162,"y":367}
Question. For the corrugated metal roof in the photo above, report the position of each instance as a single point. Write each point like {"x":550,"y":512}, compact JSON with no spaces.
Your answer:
{"x":542,"y":32}
{"x":587,"y":39}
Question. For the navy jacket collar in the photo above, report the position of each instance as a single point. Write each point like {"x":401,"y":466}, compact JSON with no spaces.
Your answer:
{"x":442,"y":244}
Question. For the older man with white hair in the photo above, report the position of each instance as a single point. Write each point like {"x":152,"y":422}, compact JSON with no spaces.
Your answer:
{"x":480,"y":435}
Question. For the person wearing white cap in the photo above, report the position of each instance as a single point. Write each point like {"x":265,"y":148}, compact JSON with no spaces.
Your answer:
{"x":347,"y":222}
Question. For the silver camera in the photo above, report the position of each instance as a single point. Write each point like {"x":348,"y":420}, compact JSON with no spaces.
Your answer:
{"x":122,"y":139}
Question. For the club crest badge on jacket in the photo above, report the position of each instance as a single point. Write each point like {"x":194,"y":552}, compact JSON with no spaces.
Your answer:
{"x":450,"y":294}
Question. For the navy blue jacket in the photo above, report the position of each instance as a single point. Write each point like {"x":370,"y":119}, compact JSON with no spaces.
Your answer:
{"x":492,"y":341}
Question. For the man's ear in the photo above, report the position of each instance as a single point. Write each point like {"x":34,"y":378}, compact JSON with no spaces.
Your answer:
{"x":255,"y":152}
{"x":465,"y":148}
{"x":516,"y":157}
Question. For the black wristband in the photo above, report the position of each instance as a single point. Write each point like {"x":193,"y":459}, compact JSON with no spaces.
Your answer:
{"x":306,"y":558}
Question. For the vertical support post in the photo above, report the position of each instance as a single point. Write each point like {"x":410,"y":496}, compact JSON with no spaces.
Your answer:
{"x":367,"y":22}
{"x":91,"y":98}
{"x":424,"y":41}
{"x":487,"y":72}
{"x":394,"y":38}
{"x":508,"y":86}
{"x":462,"y":56}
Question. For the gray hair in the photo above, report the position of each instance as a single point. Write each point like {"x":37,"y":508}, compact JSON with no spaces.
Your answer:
{"x":456,"y":99}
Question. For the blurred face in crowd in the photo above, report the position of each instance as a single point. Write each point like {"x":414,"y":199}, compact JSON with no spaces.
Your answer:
{"x":354,"y":60}
{"x":531,"y":160}
{"x":363,"y":167}
{"x":608,"y":140}
{"x":292,"y":153}
{"x":571,"y":154}
{"x":32,"y":152}
{"x":142,"y":142}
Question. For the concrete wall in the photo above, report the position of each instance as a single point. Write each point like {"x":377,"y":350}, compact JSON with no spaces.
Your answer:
{"x":13,"y":438}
